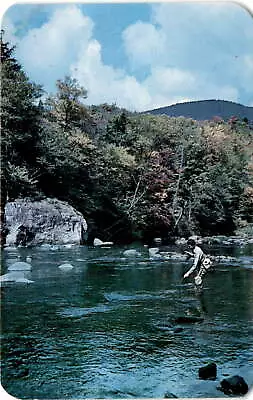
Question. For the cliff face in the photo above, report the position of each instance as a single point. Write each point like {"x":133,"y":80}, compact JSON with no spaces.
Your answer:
{"x":45,"y":221}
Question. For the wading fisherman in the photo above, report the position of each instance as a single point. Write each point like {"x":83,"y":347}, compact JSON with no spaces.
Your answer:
{"x":201,"y":263}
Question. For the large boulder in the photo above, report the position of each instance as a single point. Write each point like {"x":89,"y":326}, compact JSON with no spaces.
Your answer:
{"x":234,"y":385}
{"x":46,"y":221}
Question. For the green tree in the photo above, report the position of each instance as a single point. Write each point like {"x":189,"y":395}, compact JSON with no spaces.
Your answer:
{"x":213,"y":180}
{"x":66,"y":107}
{"x":68,"y":156}
{"x":20,"y":119}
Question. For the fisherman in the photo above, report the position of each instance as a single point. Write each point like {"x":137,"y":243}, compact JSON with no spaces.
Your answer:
{"x":201,"y":263}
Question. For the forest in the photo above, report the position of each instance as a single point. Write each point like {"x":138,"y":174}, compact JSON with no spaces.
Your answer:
{"x":133,"y":176}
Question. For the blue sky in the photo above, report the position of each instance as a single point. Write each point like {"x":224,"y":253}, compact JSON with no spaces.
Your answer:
{"x":137,"y":55}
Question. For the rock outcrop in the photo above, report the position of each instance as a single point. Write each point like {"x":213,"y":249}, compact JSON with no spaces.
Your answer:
{"x":46,"y":221}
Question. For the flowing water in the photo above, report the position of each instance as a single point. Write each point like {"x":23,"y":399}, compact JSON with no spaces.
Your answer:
{"x":107,"y":328}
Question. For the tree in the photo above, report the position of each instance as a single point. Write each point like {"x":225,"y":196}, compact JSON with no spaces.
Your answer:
{"x":68,"y":156}
{"x":66,"y":106}
{"x":20,"y":117}
{"x":213,"y":180}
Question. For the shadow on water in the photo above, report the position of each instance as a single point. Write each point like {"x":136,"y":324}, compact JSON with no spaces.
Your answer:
{"x":118,"y":327}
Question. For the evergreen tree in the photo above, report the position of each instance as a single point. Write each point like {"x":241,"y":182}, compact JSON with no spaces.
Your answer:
{"x":20,"y":117}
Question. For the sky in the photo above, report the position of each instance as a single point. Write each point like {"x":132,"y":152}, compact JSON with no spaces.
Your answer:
{"x":138,"y":56}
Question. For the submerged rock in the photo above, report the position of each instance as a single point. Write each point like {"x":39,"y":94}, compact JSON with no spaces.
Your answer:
{"x":188,"y":319}
{"x":170,"y":255}
{"x":20,"y":372}
{"x":234,"y":385}
{"x":65,"y":267}
{"x":169,"y":395}
{"x":225,"y":259}
{"x":15,"y":276}
{"x":209,"y":371}
{"x":155,"y":253}
{"x":20,"y":266}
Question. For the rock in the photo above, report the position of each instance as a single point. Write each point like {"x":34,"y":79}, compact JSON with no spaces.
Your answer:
{"x":181,"y":241}
{"x":50,"y":247}
{"x":225,"y":259}
{"x":188,"y":319}
{"x":153,"y":250}
{"x":154,"y":253}
{"x":234,"y":385}
{"x":66,"y":246}
{"x":98,"y":242}
{"x":209,"y":371}
{"x":20,"y":266}
{"x":196,"y":238}
{"x":22,"y":236}
{"x":169,"y":395}
{"x":19,"y":373}
{"x":157,"y":240}
{"x":15,"y":276}
{"x":131,"y":253}
{"x":65,"y":267}
{"x":23,"y":280}
{"x":170,"y":255}
{"x":46,"y":221}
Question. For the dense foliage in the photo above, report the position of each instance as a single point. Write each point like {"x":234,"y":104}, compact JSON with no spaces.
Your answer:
{"x":133,"y":176}
{"x":20,"y":128}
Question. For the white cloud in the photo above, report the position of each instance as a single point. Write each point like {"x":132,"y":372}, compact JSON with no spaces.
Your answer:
{"x":106,"y":84}
{"x":9,"y":31}
{"x":210,"y":37}
{"x":144,"y":43}
{"x":49,"y":49}
{"x":189,"y":52}
{"x":170,"y":80}
{"x":247,"y":72}
{"x":203,"y":51}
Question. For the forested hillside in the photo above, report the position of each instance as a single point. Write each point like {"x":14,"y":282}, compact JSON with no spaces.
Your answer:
{"x":133,"y":176}
{"x":207,"y":109}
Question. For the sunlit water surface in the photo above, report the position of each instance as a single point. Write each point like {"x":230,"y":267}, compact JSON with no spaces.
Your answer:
{"x":107,"y":328}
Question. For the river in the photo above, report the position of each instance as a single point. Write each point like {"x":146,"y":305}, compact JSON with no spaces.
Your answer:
{"x":107,"y":328}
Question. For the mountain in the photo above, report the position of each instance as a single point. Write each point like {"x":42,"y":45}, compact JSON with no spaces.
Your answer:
{"x":206,"y":110}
